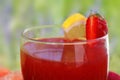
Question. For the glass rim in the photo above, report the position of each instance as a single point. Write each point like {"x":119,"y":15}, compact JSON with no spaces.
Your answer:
{"x":55,"y":43}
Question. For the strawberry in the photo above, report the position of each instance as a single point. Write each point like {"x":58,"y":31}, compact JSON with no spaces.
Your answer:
{"x":113,"y":76}
{"x":4,"y":71}
{"x":96,"y":26}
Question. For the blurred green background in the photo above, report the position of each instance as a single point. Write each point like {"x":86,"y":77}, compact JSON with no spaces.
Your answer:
{"x":15,"y":15}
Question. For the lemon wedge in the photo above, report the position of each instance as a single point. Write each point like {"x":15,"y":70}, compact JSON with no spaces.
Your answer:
{"x":74,"y":27}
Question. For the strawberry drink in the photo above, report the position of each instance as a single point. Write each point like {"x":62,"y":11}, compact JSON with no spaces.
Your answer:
{"x":45,"y":55}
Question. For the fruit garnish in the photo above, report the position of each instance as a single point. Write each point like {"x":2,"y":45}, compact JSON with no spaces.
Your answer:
{"x":4,"y":71}
{"x":13,"y":76}
{"x":74,"y":27}
{"x":96,"y":26}
{"x":113,"y":76}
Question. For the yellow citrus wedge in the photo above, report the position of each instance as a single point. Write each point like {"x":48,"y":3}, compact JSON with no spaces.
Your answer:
{"x":74,"y":27}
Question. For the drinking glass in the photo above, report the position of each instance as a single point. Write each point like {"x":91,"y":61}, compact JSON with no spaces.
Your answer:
{"x":47,"y":55}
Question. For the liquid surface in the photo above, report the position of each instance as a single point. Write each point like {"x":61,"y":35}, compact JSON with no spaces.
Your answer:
{"x":64,"y":62}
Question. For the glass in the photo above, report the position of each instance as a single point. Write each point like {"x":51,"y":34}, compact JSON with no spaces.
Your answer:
{"x":47,"y":55}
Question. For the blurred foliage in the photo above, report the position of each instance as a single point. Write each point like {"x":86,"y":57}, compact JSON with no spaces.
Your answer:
{"x":15,"y":15}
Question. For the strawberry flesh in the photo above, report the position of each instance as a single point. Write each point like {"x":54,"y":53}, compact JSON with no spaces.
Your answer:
{"x":96,"y":26}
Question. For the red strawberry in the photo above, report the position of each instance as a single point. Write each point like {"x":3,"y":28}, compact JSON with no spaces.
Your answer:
{"x":96,"y":26}
{"x":4,"y":71}
{"x":113,"y":76}
{"x":12,"y":76}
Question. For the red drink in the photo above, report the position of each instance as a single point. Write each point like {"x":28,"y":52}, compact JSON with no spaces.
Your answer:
{"x":65,"y":60}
